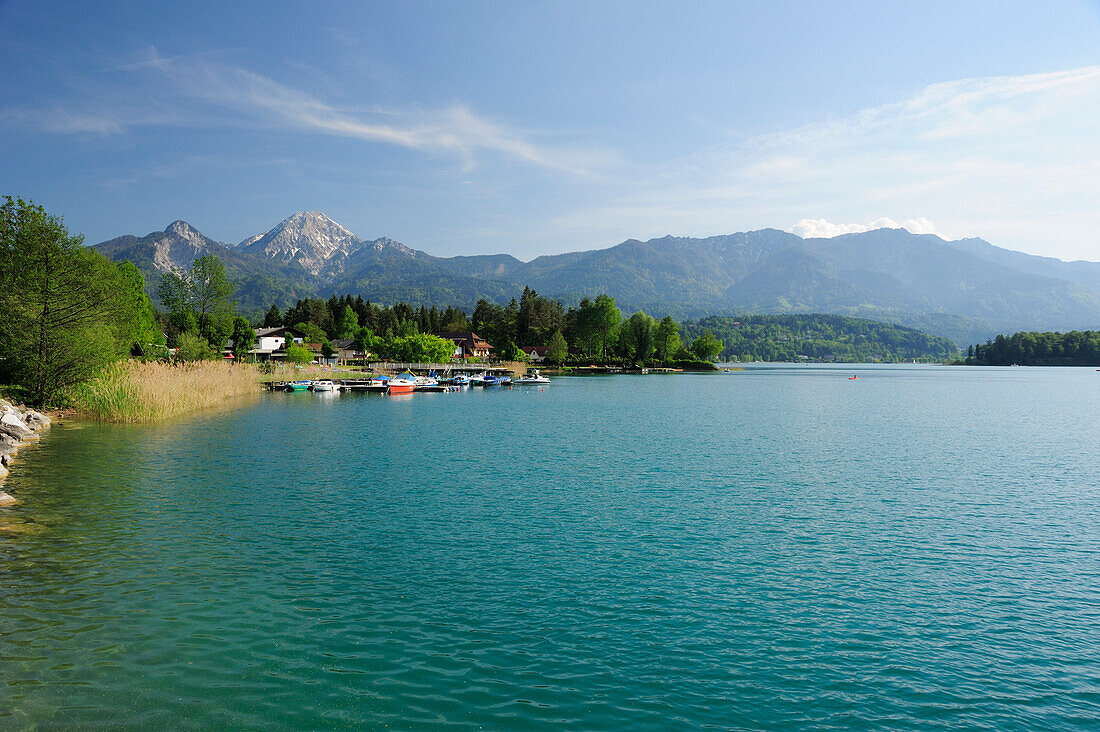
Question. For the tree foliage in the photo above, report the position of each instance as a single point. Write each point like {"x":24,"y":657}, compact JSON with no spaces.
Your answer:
{"x":818,"y":338}
{"x":1076,"y":348}
{"x":706,"y":346}
{"x":200,"y":300}
{"x":67,"y":310}
{"x":298,"y":354}
{"x":418,"y":347}
{"x":244,"y":337}
{"x":637,"y":338}
{"x":666,"y":339}
{"x":557,"y":350}
{"x":193,"y":347}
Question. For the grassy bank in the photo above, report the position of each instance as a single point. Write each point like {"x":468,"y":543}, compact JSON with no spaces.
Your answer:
{"x":133,"y":392}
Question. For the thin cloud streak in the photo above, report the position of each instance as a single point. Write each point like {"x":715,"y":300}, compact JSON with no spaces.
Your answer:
{"x":455,"y":130}
{"x":980,"y":157}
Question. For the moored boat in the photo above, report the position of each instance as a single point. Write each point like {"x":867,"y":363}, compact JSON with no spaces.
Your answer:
{"x":533,"y":378}
{"x":427,"y":383}
{"x":301,"y":385}
{"x":403,"y":383}
{"x":323,"y":385}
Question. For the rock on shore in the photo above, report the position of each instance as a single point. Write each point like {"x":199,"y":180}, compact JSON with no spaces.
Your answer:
{"x":17,"y":427}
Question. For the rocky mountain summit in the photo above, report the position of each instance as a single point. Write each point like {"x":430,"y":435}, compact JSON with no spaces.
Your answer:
{"x":308,"y":239}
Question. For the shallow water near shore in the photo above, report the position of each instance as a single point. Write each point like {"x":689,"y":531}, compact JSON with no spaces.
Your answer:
{"x":780,"y":547}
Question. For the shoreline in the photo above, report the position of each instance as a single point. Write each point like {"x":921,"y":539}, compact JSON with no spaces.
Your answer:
{"x":19,"y":427}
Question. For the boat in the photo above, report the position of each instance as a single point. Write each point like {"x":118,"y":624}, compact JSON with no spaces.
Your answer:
{"x":403,"y":383}
{"x":323,"y":385}
{"x":464,"y":380}
{"x":428,"y":383}
{"x":533,"y":378}
{"x":298,"y":385}
{"x":379,"y":383}
{"x":490,"y":380}
{"x":476,"y":380}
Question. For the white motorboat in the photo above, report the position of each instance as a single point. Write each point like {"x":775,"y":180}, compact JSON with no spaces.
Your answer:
{"x":532,"y":378}
{"x":323,"y":385}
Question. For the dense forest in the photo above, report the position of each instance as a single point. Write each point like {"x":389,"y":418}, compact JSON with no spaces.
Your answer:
{"x":1076,"y":348}
{"x":819,"y":338}
{"x":597,"y":330}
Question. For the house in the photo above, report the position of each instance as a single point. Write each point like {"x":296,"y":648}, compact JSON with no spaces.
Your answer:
{"x":273,"y":339}
{"x":468,"y":344}
{"x":535,"y":354}
{"x":345,"y":350}
{"x":271,"y":342}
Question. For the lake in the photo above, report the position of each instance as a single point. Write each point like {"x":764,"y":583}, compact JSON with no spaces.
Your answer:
{"x":780,"y":547}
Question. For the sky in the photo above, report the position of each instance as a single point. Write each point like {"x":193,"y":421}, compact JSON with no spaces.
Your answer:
{"x":543,"y":127}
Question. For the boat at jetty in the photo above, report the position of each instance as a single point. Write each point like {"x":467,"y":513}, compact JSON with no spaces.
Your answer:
{"x":428,"y":383}
{"x":323,"y":385}
{"x":403,"y":383}
{"x":299,"y":385}
{"x":533,"y":378}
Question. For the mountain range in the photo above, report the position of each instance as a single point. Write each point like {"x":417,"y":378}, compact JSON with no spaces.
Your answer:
{"x":967,"y":290}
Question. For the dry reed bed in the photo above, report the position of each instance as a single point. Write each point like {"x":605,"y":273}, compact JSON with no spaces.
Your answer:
{"x":135,"y":392}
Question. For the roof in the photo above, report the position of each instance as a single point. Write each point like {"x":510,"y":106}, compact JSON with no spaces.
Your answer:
{"x":344,"y":343}
{"x":265,"y":332}
{"x":465,"y":335}
{"x":540,"y":350}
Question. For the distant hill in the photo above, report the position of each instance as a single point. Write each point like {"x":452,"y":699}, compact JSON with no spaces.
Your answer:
{"x":819,"y":338}
{"x":966,"y":290}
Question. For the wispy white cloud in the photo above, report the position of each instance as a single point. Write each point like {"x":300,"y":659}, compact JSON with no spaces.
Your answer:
{"x":207,"y":88}
{"x":989,"y":157}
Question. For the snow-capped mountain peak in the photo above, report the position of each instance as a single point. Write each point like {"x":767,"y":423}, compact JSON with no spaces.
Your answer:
{"x":309,"y":239}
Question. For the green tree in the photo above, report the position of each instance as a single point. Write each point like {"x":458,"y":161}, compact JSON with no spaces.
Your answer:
{"x":419,"y":347}
{"x":348,"y":324}
{"x":57,"y":299}
{"x":274,"y":317}
{"x":597,"y":326}
{"x":557,"y":350}
{"x":244,"y":337}
{"x":215,"y":307}
{"x":298,"y":354}
{"x":193,"y":347}
{"x":136,"y":326}
{"x":667,"y":339}
{"x":367,"y":341}
{"x":638,"y":336}
{"x":512,"y":352}
{"x":202,"y":296}
{"x":706,"y":346}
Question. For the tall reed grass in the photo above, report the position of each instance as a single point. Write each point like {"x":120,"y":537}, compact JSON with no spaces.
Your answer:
{"x":133,"y":391}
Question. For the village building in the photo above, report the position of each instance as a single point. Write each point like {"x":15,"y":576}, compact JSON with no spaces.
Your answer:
{"x":468,"y":344}
{"x":271,"y":343}
{"x":535,"y":354}
{"x":346,"y":351}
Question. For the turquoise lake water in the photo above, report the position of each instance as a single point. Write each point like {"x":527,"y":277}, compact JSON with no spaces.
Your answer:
{"x":772,"y":548}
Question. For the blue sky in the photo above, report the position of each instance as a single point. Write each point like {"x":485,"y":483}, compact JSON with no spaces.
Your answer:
{"x":535,"y":128}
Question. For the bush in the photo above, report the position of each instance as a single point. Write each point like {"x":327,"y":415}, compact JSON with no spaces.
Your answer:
{"x":193,"y":347}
